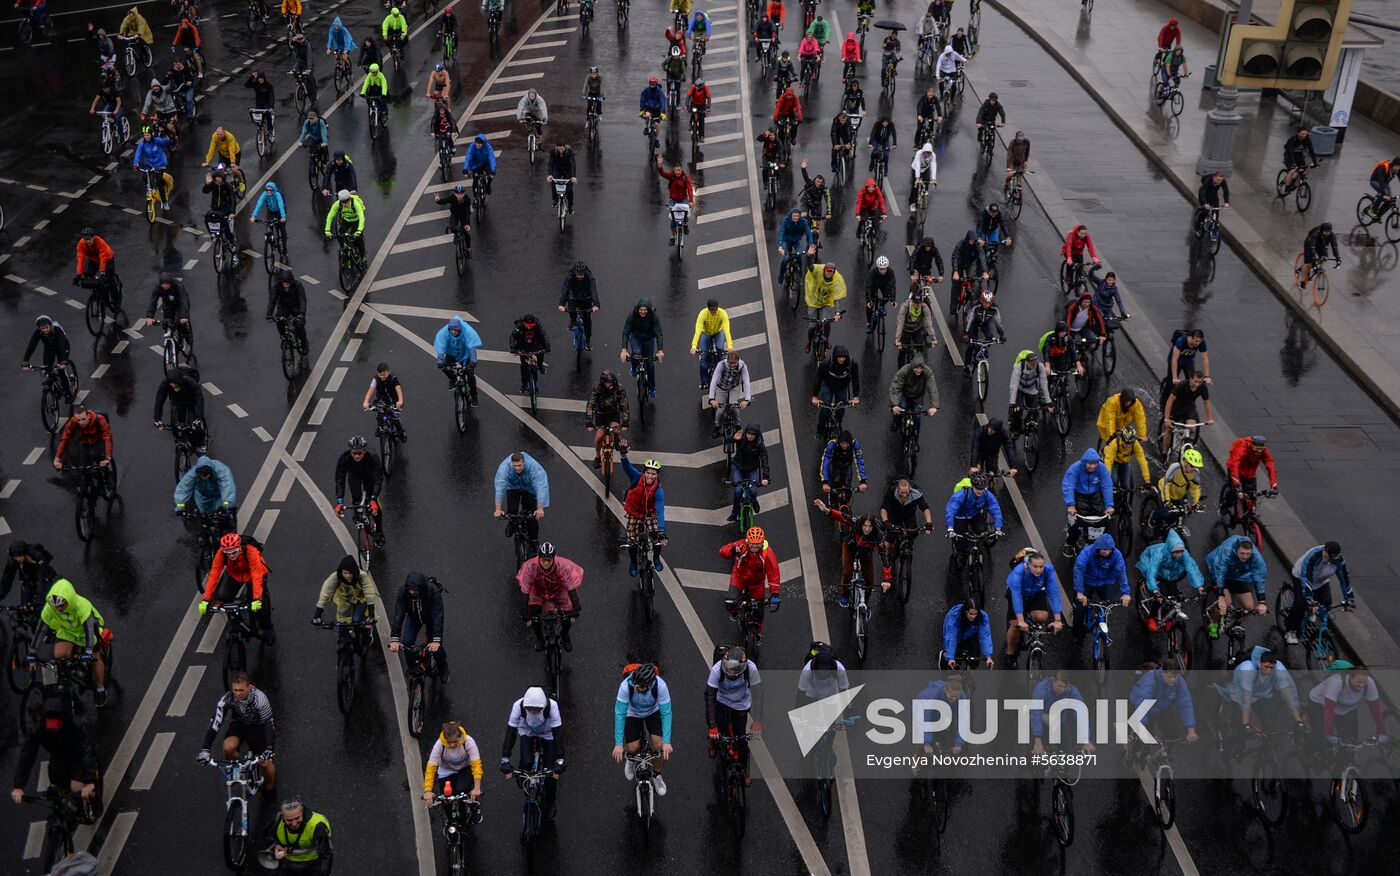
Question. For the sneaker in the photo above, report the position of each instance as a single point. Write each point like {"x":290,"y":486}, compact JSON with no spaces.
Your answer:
{"x":1290,"y":637}
{"x":659,"y":784}
{"x":844,"y":601}
{"x":732,"y":518}
{"x":658,"y":564}
{"x":597,"y":462}
{"x":671,"y":242}
{"x":807,"y":348}
{"x":475,"y":401}
{"x":651,"y":393}
{"x":539,"y":645}
{"x":379,"y":539}
{"x":629,"y":770}
{"x":99,"y":697}
{"x":587,"y":346}
{"x":869,"y":328}
{"x":632,"y":569}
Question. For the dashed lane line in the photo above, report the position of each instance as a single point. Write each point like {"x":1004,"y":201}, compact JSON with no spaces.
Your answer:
{"x":721,"y":245}
{"x":184,"y":694}
{"x":34,"y":455}
{"x":722,"y":214}
{"x":730,"y":277}
{"x":716,"y":188}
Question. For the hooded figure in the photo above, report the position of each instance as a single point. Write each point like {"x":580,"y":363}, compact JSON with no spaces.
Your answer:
{"x":1088,"y":485}
{"x":460,"y":347}
{"x":79,"y":622}
{"x":480,"y":156}
{"x":271,"y":200}
{"x":913,"y":387}
{"x":1094,"y":571}
{"x":351,"y":589}
{"x":925,"y":164}
{"x":212,"y":494}
{"x":1248,"y":685}
{"x":339,"y":39}
{"x":1158,"y":564}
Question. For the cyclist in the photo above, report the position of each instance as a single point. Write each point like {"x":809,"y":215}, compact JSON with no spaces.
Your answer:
{"x":642,"y":342}
{"x":96,"y":260}
{"x":607,"y":405}
{"x":1168,"y":36}
{"x":1058,"y":347}
{"x":346,"y":218}
{"x":1173,"y":69}
{"x":223,"y":202}
{"x":967,"y":263}
{"x":1030,"y":387}
{"x":815,"y":199}
{"x":361,"y":469}
{"x":243,"y":562}
{"x":457,"y":343}
{"x":1180,"y":484}
{"x":870,"y":204}
{"x":182,"y":388}
{"x":700,"y":27}
{"x":853,"y":102}
{"x":1107,"y":296}
{"x":1315,"y":246}
{"x":134,"y":25}
{"x":987,"y":442}
{"x":394,"y":29}
{"x":1380,"y":178}
{"x":850,"y":55}
{"x":1120,"y":452}
{"x":1077,"y":242}
{"x":1162,"y":567}
{"x":961,"y":44}
{"x":838,"y":381}
{"x":1033,"y":592}
{"x":271,"y":199}
{"x":698,"y":99}
{"x":787,"y":111}
{"x":764,"y":30}
{"x":534,"y":718}
{"x":842,"y":456}
{"x":883,"y":139}
{"x":901,"y":507}
{"x":159,"y":109}
{"x":1214,"y":193}
{"x":947,"y":691}
{"x":480,"y":157}
{"x":843,"y":137}
{"x":210,"y":485}
{"x":949,"y":67}
{"x":924,"y":167}
{"x":729,"y":378}
{"x":711,"y":336}
{"x":674,"y":68}
{"x":338,"y":39}
{"x":1097,"y":569}
{"x":913,"y":389}
{"x":809,"y":55}
{"x":1171,"y":712}
{"x":32,"y":564}
{"x":418,"y":608}
{"x":286,"y":302}
{"x":1312,"y":583}
{"x":440,"y":86}
{"x":72,"y":758}
{"x":1018,"y":156}
{"x":1049,"y":691}
{"x":1239,"y":571}
{"x":528,"y":339}
{"x":250,"y":722}
{"x":301,"y":65}
{"x":459,"y":212}
{"x":1297,"y":154}
{"x":651,"y":103}
{"x":94,"y":436}
{"x":784,"y":74}
{"x":821,"y":30}
{"x":264,"y":98}
{"x":1242,"y":466}
{"x":749,"y":463}
{"x":1181,"y":361}
{"x":550,"y":584}
{"x":375,"y":87}
{"x":731,"y":693}
{"x":643,"y":705}
{"x":1181,"y":406}
{"x":354,"y":594}
{"x":301,"y":839}
{"x":891,"y":53}
{"x":680,"y":194}
{"x":579,"y":294}
{"x":914,"y":324}
{"x":453,"y":753}
{"x":370,"y":56}
{"x":1337,"y":696}
{"x":879,"y":290}
{"x":991,"y":227}
{"x":968,"y":510}
{"x":494,"y":10}
{"x":754,"y":563}
{"x":340,"y":175}
{"x":966,"y":626}
{"x":522,"y":487}
{"x":822,"y":289}
{"x":562,"y":167}
{"x":1087,"y":489}
{"x":981,"y":319}
{"x":922,"y":262}
{"x":925,"y":32}
{"x":1086,"y":325}
{"x":108,"y":100}
{"x":1252,"y":687}
{"x":188,"y":42}
{"x":991,"y":113}
{"x":863,"y":538}
{"x":74,"y":623}
{"x":443,"y":128}
{"x":795,"y":239}
{"x":645,"y":505}
{"x":385,"y":389}
{"x":224,"y":146}
{"x":593,"y":91}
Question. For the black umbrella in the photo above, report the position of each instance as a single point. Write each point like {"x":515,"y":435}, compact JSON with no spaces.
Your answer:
{"x":887,"y":24}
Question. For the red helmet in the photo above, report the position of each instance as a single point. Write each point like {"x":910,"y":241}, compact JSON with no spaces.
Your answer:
{"x":654,"y":81}
{"x":231,"y":543}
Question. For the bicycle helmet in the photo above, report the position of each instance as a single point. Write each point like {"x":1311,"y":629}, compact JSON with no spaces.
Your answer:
{"x":438,"y":68}
{"x":754,"y":535}
{"x":979,"y":481}
{"x":547,"y":550}
{"x":993,"y":208}
{"x":653,"y":81}
{"x":652,"y":464}
{"x":700,"y":83}
{"x":87,"y":234}
{"x":231,"y":543}
{"x":343,"y":195}
{"x":459,"y":189}
{"x":357,"y":442}
{"x":1256,"y":440}
{"x":675,"y":51}
{"x":1193,"y":457}
{"x":882,"y":262}
{"x":734,"y":660}
{"x":580,"y":268}
{"x":592,"y":69}
{"x":988,"y":296}
{"x":644,"y":675}
{"x":43,"y":320}
{"x":1129,"y":435}
{"x":218,"y":171}
{"x":55,"y":600}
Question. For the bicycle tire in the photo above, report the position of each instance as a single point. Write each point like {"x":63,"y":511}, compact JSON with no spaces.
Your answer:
{"x":1149,"y":507}
{"x":459,"y":246}
{"x":1322,"y":653}
{"x":363,"y":547}
{"x":939,"y":804}
{"x":862,"y":632}
{"x":345,"y":683}
{"x":1178,"y":103}
{"x":1062,"y":813}
{"x":302,"y":98}
{"x":182,"y":460}
{"x":18,"y":673}
{"x":1013,"y":205}
{"x":909,"y":452}
{"x":1320,"y":287}
{"x":1030,"y":450}
{"x":1350,"y":807}
{"x":95,"y":312}
{"x":1178,"y":645}
{"x":982,"y":378}
{"x":260,"y":141}
{"x":1125,"y":529}
{"x":738,"y":805}
{"x":1110,"y":355}
{"x":746,"y":516}
{"x":646,"y":587}
{"x":1101,"y":662}
{"x":48,"y":409}
{"x":202,"y":562}
{"x":416,"y":707}
{"x":459,"y":404}
{"x":58,"y":843}
{"x":904,"y":578}
{"x":387,"y":450}
{"x":522,"y":550}
{"x":1279,"y":188}
{"x":26,"y":35}
{"x":235,"y":655}
{"x":1062,"y":415}
{"x":1392,"y":225}
{"x":85,"y":516}
{"x":1267,"y":792}
{"x":879,"y":334}
{"x":554,"y":668}
{"x":108,"y":139}
{"x":235,"y":840}
{"x":1363,"y":211}
{"x":1084,"y":383}
{"x":1302,"y":196}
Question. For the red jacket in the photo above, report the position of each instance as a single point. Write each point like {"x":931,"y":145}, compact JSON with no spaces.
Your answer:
{"x":870,"y":201}
{"x":787,"y":105}
{"x":1074,"y":246}
{"x":699,"y":97}
{"x":1242,"y":462}
{"x":98,"y":250}
{"x":550,"y":590}
{"x":249,"y":566}
{"x":1169,"y":34}
{"x":679,"y":188}
{"x":749,"y":570}
{"x":776,"y":12}
{"x":96,"y":430}
{"x":1095,"y":315}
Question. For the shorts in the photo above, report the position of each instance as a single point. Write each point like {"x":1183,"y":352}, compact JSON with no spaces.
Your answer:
{"x":252,"y":735}
{"x":1035,"y":602}
{"x":1239,"y":587}
{"x":632,"y":726}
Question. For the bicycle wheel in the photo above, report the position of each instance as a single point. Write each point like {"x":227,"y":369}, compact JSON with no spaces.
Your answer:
{"x":235,"y":655}
{"x":302,"y":98}
{"x":94,"y":312}
{"x":910,"y":452}
{"x":201,"y":567}
{"x":1083,"y":383}
{"x":1061,"y":416}
{"x":18,"y":672}
{"x":363,"y":547}
{"x":235,"y":839}
{"x":1255,"y":532}
{"x":534,"y":397}
{"x":1030,"y":449}
{"x":1066,"y":270}
{"x":1279,"y":188}
{"x":1392,"y":225}
{"x":982,"y":377}
{"x":86,"y":515}
{"x":646,"y":587}
{"x":261,"y":140}
{"x":58,"y":843}
{"x":1110,"y":355}
{"x":1323,"y":652}
{"x":738,"y":805}
{"x":220,"y":257}
{"x":522,"y":550}
{"x":904,"y":578}
{"x":1363,"y":211}
{"x":387,"y":448}
{"x":861,"y":632}
{"x":1267,"y":792}
{"x":1125,"y":531}
{"x":459,"y":247}
{"x":182,"y":460}
{"x":1319,"y":287}
{"x":1350,"y":808}
{"x":879,"y":334}
{"x":416,"y":706}
{"x":1178,"y":103}
{"x":1101,"y":661}
{"x":939,"y":807}
{"x":26,"y":34}
{"x":1165,"y":804}
{"x":459,"y":403}
{"x":1013,"y":203}
{"x":1303,"y":196}
{"x":108,"y":139}
{"x":342,"y":79}
{"x":1062,"y":813}
{"x":1283,"y":604}
{"x":48,"y":409}
{"x":345,"y":683}
{"x":1150,"y":507}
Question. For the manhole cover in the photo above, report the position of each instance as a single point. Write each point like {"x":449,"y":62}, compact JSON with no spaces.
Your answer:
{"x":1343,"y":438}
{"x":1019,"y":83}
{"x":1088,"y":205}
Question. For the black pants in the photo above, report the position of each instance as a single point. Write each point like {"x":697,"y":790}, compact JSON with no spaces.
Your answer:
{"x":533,"y":612}
{"x":184,"y":416}
{"x":113,"y":290}
{"x":228,"y":590}
{"x":521,"y":502}
{"x":734,"y":722}
{"x":1298,"y":612}
{"x":357,"y":492}
{"x":471,"y":373}
{"x":525,"y":366}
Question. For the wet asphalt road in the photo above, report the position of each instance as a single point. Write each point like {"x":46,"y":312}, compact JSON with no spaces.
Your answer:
{"x":137,"y":570}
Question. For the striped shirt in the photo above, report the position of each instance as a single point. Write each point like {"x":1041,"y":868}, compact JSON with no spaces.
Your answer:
{"x":255,"y":711}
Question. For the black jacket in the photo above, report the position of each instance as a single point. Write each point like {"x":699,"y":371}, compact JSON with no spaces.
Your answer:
{"x":986,"y":446}
{"x":426,"y":607}
{"x":223,"y":197}
{"x":989,"y":112}
{"x":562,"y":166}
{"x":579,"y":293}
{"x":338,"y":178}
{"x":286,"y":300}
{"x":923,"y":260}
{"x":523,"y":341}
{"x":263,"y":97}
{"x":188,"y":394}
{"x":55,"y":345}
{"x":752,"y":455}
{"x":71,"y":743}
{"x":38,"y":576}
{"x":172,"y":304}
{"x":368,"y":471}
{"x":1210,"y":195}
{"x":838,"y":377}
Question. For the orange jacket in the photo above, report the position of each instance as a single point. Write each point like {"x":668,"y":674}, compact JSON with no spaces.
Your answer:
{"x":775,"y":12}
{"x":249,"y":566}
{"x":97,"y":249}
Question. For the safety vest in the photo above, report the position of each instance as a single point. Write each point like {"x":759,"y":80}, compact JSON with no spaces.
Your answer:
{"x":298,"y":845}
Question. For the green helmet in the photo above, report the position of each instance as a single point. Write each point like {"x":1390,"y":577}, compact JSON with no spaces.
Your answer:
{"x":374,"y":68}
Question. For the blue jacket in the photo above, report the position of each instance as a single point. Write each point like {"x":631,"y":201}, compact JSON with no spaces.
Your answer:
{"x":658,"y":498}
{"x":956,"y":630}
{"x":790,"y":232}
{"x":934,"y":691}
{"x":965,"y":504}
{"x":340,"y":39}
{"x":1248,"y":684}
{"x":1312,"y":565}
{"x":479,"y":155}
{"x":1078,"y":479}
{"x":1156,"y":563}
{"x":1022,"y":583}
{"x":653,"y":100}
{"x":1045,"y":692}
{"x":462,"y":348}
{"x":1106,"y":297}
{"x":699,"y":18}
{"x":314,"y":133}
{"x":1224,"y":566}
{"x":151,"y":154}
{"x":1092,"y":570}
{"x":276,"y":207}
{"x":532,"y":480}
{"x":211,"y":495}
{"x":1177,"y":696}
{"x":830,"y":451}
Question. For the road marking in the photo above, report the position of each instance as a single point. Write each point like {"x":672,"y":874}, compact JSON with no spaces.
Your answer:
{"x":310,"y":279}
{"x":318,"y":416}
{"x":39,"y":226}
{"x":731,"y":277}
{"x":116,"y":841}
{"x":551,"y":404}
{"x":75,"y":304}
{"x":715,"y":188}
{"x":744,"y":309}
{"x":34,"y":455}
{"x":439,"y":215}
{"x":18,"y":281}
{"x":719,"y":50}
{"x":509,"y":95}
{"x":495,"y":114}
{"x":719,"y":162}
{"x":120,"y":347}
{"x":303,"y":446}
{"x":333,"y":385}
{"x":209,"y":387}
{"x":4,"y":527}
{"x":269,"y":517}
{"x":351,"y":348}
{"x":189,"y":684}
{"x":548,"y":44}
{"x":284,"y":486}
{"x":721,"y":214}
{"x":212,"y":634}
{"x":788,"y":570}
{"x":405,"y":279}
{"x":366,"y":320}
{"x":728,"y":80}
{"x":190,"y":265}
{"x":155,"y":756}
{"x":34,"y":841}
{"x":725,"y":98}
{"x":721,"y":117}
{"x":523,"y":77}
{"x":425,"y":243}
{"x":45,"y":290}
{"x":557,"y":31}
{"x":711,"y":140}
{"x":890,"y":199}
{"x":10,"y":486}
{"x":522,"y":61}
{"x":750,"y":341}
{"x":99,"y":371}
{"x":699,"y":459}
{"x":426,"y":312}
{"x":719,"y":246}
{"x":719,"y":516}
{"x":237,"y":411}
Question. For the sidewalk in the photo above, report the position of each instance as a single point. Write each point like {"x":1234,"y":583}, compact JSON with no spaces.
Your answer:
{"x":1110,"y":54}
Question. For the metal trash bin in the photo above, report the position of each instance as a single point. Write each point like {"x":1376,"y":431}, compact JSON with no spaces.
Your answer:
{"x":1324,"y":139}
{"x":1211,"y":80}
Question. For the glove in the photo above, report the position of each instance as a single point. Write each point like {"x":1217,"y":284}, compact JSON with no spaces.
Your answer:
{"x":505,"y":766}
{"x":774,"y":601}
{"x":77,"y":278}
{"x":203,"y":606}
{"x":316,"y":621}
{"x":714,"y":732}
{"x":997,"y":533}
{"x":328,"y":235}
{"x":949,"y":533}
{"x":267,"y":755}
{"x":256,"y":605}
{"x":202,"y":757}
{"x":339,"y":507}
{"x":374,"y":505}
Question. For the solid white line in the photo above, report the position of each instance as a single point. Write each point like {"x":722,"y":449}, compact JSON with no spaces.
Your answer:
{"x":333,"y":385}
{"x":269,"y":517}
{"x":155,"y":756}
{"x":366,"y":320}
{"x":180,"y":703}
{"x":318,"y":416}
{"x":731,"y":277}
{"x":4,"y":527}
{"x":890,"y":199}
{"x":212,"y":634}
{"x":731,"y":243}
{"x":721,"y":214}
{"x":405,"y":279}
{"x":115,"y":841}
{"x":425,"y":243}
{"x":720,"y":187}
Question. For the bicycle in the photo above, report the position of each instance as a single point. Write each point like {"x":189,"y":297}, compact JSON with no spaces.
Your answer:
{"x":243,"y":778}
{"x":987,"y":141}
{"x":396,"y":52}
{"x":1374,"y":208}
{"x":748,"y":502}
{"x":1300,"y":189}
{"x":1156,"y":519}
{"x":1108,"y":350}
{"x":481,"y":190}
{"x":66,"y":811}
{"x":533,"y":783}
{"x":155,"y":192}
{"x":561,"y":200}
{"x":1083,"y":530}
{"x":1183,"y":435}
{"x":770,"y":183}
{"x":606,"y":451}
{"x":981,"y":370}
{"x":94,"y":482}
{"x":24,"y":624}
{"x":225,"y":249}
{"x":968,"y":562}
{"x":316,"y":166}
{"x":888,"y":79}
{"x":102,"y":300}
{"x":1169,"y":93}
{"x":748,"y":614}
{"x":879,"y":165}
{"x":1062,"y":795}
{"x":903,"y":559}
{"x":275,"y":244}
{"x":461,"y":813}
{"x":208,"y":528}
{"x":344,"y":71}
{"x":449,"y":45}
{"x":644,"y":789}
{"x":1207,"y":231}
{"x":423,"y":680}
{"x":366,"y":532}
{"x":135,"y":53}
{"x":60,"y":384}
{"x":821,"y":338}
{"x":1319,"y":644}
{"x":533,"y":131}
{"x":265,"y":137}
{"x":1014,"y":193}
{"x":642,"y":547}
{"x":1171,"y":620}
{"x":641,"y":368}
{"x":909,"y":440}
{"x":585,"y":15}
{"x":730,"y":786}
{"x":680,"y":221}
{"x":552,"y":625}
{"x":35,"y":19}
{"x":518,"y":528}
{"x":593,"y":113}
{"x":256,"y":15}
{"x":1029,"y":435}
{"x":350,"y":259}
{"x":1230,"y":626}
{"x":697,"y":52}
{"x":1349,"y":801}
{"x":1033,"y":644}
{"x":116,"y":131}
{"x":1074,"y":277}
{"x":1157,"y":762}
{"x":1250,"y":519}
{"x":623,"y":7}
{"x":238,"y":630}
{"x":792,"y":271}
{"x":825,"y":759}
{"x":876,"y":322}
{"x":386,"y":429}
{"x":376,"y":110}
{"x":462,"y":395}
{"x":1317,"y":279}
{"x":444,"y":156}
{"x":1102,"y":644}
{"x":865,"y":233}
{"x":352,"y":643}
{"x":66,"y":680}
{"x":493,"y":28}
{"x":531,"y":363}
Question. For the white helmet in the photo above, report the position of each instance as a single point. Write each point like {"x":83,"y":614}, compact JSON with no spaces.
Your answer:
{"x":882,"y":262}
{"x":343,"y":194}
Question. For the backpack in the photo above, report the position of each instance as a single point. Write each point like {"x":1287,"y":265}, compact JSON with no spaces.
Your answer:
{"x":628,"y":670}
{"x":722,"y":651}
{"x":250,"y":541}
{"x":188,"y":370}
